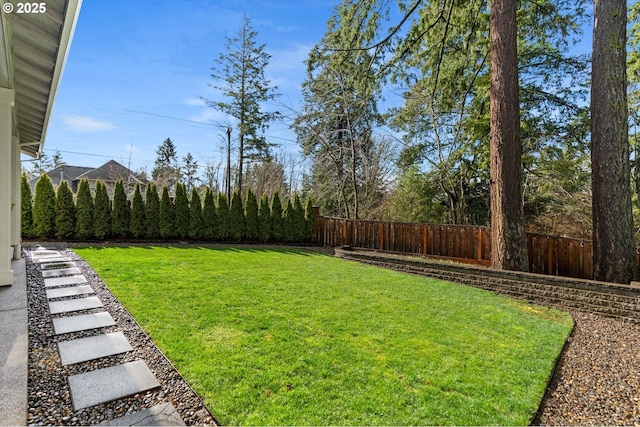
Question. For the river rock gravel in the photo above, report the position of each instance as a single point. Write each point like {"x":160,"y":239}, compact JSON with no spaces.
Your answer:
{"x":49,"y":400}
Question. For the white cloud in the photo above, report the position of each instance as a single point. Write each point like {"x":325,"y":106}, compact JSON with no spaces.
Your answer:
{"x":87,"y":124}
{"x":195,"y":102}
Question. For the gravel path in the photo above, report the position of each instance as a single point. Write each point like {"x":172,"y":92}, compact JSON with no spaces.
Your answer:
{"x":49,"y":398}
{"x":597,"y":380}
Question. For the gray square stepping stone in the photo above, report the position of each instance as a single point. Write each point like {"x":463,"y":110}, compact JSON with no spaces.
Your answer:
{"x":164,"y":414}
{"x":83,"y":349}
{"x":71,"y":305}
{"x":57,"y":265}
{"x":43,"y":253}
{"x":50,"y":259}
{"x":107,"y":384}
{"x":69,"y":292}
{"x":61,"y":272}
{"x":83,"y":322}
{"x":62,"y":281}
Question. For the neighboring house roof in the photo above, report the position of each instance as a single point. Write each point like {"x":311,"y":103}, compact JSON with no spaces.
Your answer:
{"x":111,"y":172}
{"x":69,"y":173}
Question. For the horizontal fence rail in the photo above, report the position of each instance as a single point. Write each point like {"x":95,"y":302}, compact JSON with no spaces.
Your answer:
{"x":559,"y":256}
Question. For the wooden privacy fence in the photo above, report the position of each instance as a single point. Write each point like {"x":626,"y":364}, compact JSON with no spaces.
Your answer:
{"x":553,"y":255}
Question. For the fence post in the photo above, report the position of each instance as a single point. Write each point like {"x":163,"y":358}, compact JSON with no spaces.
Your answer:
{"x":480,"y":244}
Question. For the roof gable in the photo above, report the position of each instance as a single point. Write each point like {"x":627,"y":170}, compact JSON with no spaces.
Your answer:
{"x":111,"y":172}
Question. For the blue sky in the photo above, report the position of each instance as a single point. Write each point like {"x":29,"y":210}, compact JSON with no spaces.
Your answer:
{"x":132,"y":62}
{"x":137,"y":70}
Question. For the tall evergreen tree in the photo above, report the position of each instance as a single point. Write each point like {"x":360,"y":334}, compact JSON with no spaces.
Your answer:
{"x":166,"y":170}
{"x":310,"y":220}
{"x":26,"y":205}
{"x":222,"y":213}
{"x":289,"y":221}
{"x":181,"y":211}
{"x":299,"y":223}
{"x":241,"y":73}
{"x":102,"y":215}
{"x":277,"y":220}
{"x":65,"y":212}
{"x":84,"y":211}
{"x":166,"y":219}
{"x":152,"y":212}
{"x":264,"y":220}
{"x":121,"y":214}
{"x":196,"y":221}
{"x":251,"y":216}
{"x":236,"y":217}
{"x":44,"y":208}
{"x":137,"y":225}
{"x":209,"y":216}
{"x":614,"y":249}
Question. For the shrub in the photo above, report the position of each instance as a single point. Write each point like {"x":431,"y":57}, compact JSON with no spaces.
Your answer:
{"x":277,"y":222}
{"x":167,"y":220}
{"x":196,"y":222}
{"x":209,"y":217}
{"x":26,"y":207}
{"x":121,"y":213}
{"x":44,"y":208}
{"x":65,"y":212}
{"x":102,"y":212}
{"x":137,"y":225}
{"x":289,"y":225}
{"x":152,"y":212}
{"x":264,"y":220}
{"x":299,"y":223}
{"x":251,"y":216}
{"x":236,"y":217}
{"x":181,"y":211}
{"x":222,"y":212}
{"x":84,"y":211}
{"x":310,"y":220}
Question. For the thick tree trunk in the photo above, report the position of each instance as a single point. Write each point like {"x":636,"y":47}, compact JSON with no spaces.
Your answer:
{"x":508,"y":236}
{"x":613,"y":234}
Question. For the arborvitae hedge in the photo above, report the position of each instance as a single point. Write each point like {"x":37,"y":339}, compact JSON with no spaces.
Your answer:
{"x":44,"y":209}
{"x":310,"y":222}
{"x":251,"y":217}
{"x":236,"y":217}
{"x":196,"y":222}
{"x":121,"y":212}
{"x":65,"y":212}
{"x":181,"y":211}
{"x":84,"y":211}
{"x":153,"y":217}
{"x":137,"y":225}
{"x":209,"y":217}
{"x":167,"y":218}
{"x":264,"y":220}
{"x":222,"y":213}
{"x":152,"y":212}
{"x":26,"y":205}
{"x":277,"y":220}
{"x":102,"y":212}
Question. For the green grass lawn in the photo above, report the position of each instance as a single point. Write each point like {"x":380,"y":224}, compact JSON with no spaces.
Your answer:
{"x":287,"y":337}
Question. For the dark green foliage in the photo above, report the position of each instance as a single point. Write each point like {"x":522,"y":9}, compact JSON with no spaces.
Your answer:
{"x":26,"y":206}
{"x":65,"y":212}
{"x":222,"y":212}
{"x":299,"y":223}
{"x":196,"y":222}
{"x":289,"y":220}
{"x":102,"y":212}
{"x":310,"y":221}
{"x":44,"y":209}
{"x":166,"y":216}
{"x":236,"y":217}
{"x":181,"y":211}
{"x":264,"y":220}
{"x":84,"y":211}
{"x":137,"y":225}
{"x":152,"y":212}
{"x":251,"y":217}
{"x":121,"y":214}
{"x":209,"y":217}
{"x":277,"y":221}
